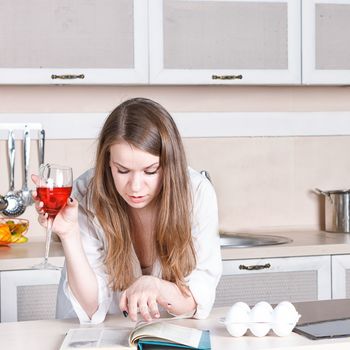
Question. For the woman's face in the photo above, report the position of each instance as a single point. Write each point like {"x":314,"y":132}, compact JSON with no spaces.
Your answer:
{"x":137,"y":175}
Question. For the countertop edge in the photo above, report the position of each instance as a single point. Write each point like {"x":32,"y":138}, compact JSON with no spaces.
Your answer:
{"x":304,"y":243}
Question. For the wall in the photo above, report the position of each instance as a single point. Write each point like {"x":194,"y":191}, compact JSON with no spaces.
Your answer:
{"x":263,"y":183}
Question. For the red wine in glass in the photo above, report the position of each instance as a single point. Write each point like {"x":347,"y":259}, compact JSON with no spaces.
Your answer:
{"x":54,"y":199}
{"x":54,"y":188}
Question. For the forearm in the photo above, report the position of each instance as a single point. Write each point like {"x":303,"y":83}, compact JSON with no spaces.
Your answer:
{"x":180,"y":302}
{"x":81,"y":278}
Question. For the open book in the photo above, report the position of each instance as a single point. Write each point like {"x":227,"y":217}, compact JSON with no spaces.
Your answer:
{"x":158,"y":334}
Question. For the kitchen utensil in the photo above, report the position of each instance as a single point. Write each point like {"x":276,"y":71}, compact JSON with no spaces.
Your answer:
{"x":41,"y":146}
{"x":15,"y":205}
{"x":337,"y":210}
{"x":3,"y":203}
{"x":25,"y":192}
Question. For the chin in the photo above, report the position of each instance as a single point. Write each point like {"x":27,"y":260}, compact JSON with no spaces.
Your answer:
{"x":137,"y":205}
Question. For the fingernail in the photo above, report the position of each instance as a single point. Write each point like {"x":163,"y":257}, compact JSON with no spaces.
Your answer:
{"x":71,"y":199}
{"x":125,"y":314}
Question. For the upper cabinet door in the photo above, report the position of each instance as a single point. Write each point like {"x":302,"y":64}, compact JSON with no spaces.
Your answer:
{"x":225,"y":42}
{"x":326,"y":41}
{"x":73,"y":42}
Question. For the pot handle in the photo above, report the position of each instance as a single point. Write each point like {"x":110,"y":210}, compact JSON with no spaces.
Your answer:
{"x":317,"y":190}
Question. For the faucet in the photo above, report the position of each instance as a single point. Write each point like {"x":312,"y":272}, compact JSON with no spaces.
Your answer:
{"x":206,"y":174}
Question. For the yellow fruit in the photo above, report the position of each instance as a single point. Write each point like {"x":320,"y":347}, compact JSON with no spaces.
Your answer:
{"x":18,"y":229}
{"x":5,"y":233}
{"x":23,"y":239}
{"x":18,"y":239}
{"x":11,"y":224}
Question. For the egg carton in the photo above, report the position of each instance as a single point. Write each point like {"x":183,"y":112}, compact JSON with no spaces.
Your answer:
{"x":261,"y":319}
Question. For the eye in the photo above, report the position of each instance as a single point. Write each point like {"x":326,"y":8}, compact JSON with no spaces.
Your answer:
{"x":122,"y":171}
{"x":151,"y":172}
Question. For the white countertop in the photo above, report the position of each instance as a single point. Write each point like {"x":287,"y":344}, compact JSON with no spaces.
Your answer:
{"x":49,"y":334}
{"x":24,"y":256}
{"x":305,"y":243}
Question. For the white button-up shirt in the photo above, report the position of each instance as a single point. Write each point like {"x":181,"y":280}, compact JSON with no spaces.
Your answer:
{"x":202,"y":281}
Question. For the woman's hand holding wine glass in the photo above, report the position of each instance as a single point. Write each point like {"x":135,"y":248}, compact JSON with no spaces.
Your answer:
{"x":56,"y":210}
{"x":65,"y":221}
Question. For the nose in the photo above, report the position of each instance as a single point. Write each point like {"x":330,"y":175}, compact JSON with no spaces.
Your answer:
{"x":135,"y":182}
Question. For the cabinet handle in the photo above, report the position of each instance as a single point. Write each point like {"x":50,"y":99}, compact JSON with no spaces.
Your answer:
{"x":68,"y":76}
{"x":254,"y":267}
{"x":227,"y":77}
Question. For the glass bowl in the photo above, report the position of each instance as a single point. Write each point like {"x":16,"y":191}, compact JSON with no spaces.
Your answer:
{"x":13,"y":230}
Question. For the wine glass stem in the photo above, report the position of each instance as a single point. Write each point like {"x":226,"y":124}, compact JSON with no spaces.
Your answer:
{"x":48,"y":238}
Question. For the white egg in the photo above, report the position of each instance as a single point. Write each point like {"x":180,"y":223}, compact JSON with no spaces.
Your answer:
{"x":261,"y":319}
{"x":285,"y":317}
{"x":237,"y":319}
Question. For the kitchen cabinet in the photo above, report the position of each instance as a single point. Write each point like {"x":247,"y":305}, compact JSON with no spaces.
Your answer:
{"x":224,"y":42}
{"x":79,"y":42}
{"x":340,"y":276}
{"x":31,"y":294}
{"x":188,"y":42}
{"x":325,"y":41}
{"x":28,"y":294}
{"x":274,"y":280}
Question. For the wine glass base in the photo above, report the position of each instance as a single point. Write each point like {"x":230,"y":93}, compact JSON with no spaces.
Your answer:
{"x":45,"y":266}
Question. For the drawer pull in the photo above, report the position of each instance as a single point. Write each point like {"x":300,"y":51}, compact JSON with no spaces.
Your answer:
{"x":68,"y":76}
{"x":254,"y":267}
{"x":227,"y":77}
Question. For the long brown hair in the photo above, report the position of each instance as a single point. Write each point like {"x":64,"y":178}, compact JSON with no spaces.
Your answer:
{"x":146,"y":125}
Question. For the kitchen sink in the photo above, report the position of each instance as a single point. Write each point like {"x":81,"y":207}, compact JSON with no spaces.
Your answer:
{"x":245,"y":240}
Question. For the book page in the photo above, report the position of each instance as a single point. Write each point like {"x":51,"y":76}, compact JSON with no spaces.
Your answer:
{"x":142,"y":323}
{"x":96,"y":338}
{"x":121,"y":338}
{"x":167,"y":331}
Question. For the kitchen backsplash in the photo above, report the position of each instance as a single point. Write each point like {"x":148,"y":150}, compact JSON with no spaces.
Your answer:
{"x":266,"y":183}
{"x":262,"y":183}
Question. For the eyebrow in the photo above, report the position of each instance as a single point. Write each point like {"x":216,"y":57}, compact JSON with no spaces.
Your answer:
{"x":147,"y":167}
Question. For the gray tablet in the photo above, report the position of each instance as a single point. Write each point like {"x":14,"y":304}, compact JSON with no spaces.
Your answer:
{"x":325,"y":329}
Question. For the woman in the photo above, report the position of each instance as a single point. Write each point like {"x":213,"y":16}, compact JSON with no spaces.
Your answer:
{"x":142,"y":229}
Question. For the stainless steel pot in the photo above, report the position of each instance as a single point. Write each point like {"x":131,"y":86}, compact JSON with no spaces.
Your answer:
{"x":337,"y":210}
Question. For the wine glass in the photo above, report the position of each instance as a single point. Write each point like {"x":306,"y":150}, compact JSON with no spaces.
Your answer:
{"x":55,"y":186}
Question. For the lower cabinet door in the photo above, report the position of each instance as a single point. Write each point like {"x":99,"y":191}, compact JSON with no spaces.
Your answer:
{"x":274,"y":280}
{"x":28,"y":295}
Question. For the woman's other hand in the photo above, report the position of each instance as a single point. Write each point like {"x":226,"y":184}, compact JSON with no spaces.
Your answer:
{"x":147,"y":292}
{"x":143,"y":295}
{"x":66,"y":220}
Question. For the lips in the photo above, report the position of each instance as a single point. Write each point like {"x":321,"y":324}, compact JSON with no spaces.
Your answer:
{"x":137,"y":199}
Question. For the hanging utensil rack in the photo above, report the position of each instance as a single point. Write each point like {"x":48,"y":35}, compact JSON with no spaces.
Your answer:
{"x":19,"y":128}
{"x":36,"y":132}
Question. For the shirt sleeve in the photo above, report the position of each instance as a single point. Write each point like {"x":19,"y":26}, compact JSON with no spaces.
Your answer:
{"x":95,"y":253}
{"x":203,"y":280}
{"x":94,"y":247}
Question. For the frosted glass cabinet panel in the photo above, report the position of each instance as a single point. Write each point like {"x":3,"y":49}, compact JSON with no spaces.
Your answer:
{"x":224,"y":42}
{"x":326,"y":42}
{"x":75,"y":42}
